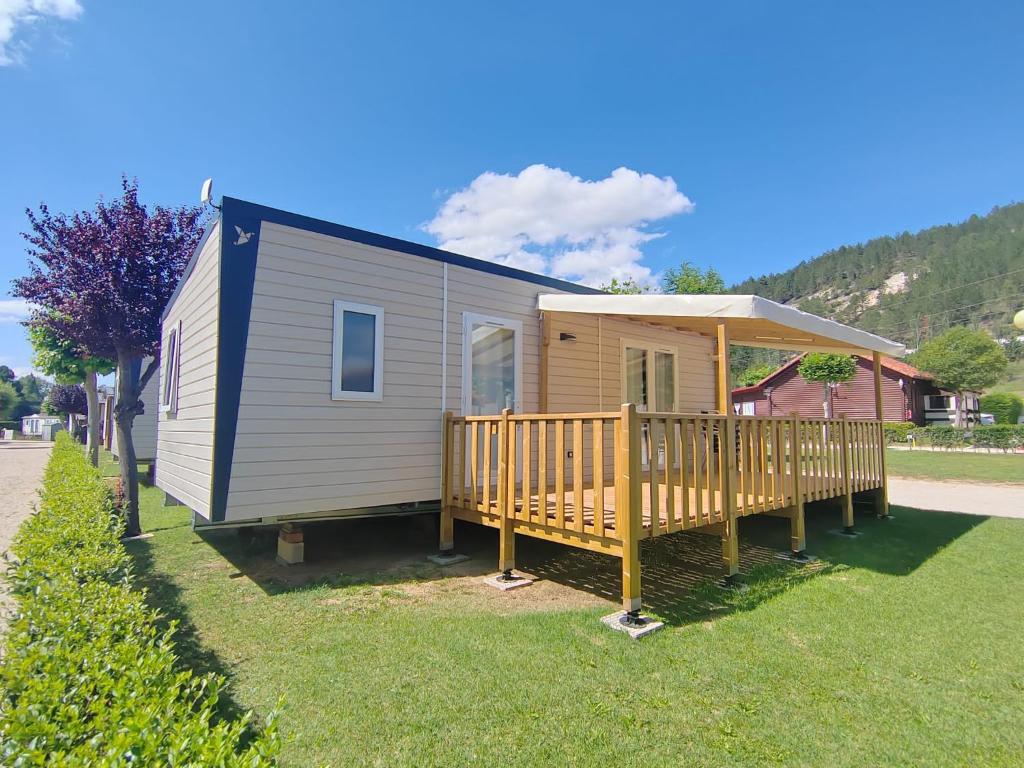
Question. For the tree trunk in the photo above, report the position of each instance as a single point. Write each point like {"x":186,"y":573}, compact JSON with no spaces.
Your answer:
{"x":125,"y":411}
{"x":94,"y":416}
{"x":827,"y":402}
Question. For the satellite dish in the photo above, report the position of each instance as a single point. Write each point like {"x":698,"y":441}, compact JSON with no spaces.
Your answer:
{"x":206,"y":195}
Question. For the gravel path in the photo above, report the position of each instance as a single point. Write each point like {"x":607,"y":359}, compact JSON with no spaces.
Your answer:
{"x":969,"y":498}
{"x":21,"y":470}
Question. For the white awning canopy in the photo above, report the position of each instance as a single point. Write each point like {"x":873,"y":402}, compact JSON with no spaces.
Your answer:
{"x":751,"y":320}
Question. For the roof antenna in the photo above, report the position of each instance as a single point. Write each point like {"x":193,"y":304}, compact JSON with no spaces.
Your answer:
{"x":206,"y":194}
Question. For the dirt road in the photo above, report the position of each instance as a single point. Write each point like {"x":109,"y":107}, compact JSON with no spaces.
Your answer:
{"x":21,"y":470}
{"x":968,"y":498}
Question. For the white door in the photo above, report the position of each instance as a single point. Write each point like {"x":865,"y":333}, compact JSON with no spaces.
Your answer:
{"x":492,"y":364}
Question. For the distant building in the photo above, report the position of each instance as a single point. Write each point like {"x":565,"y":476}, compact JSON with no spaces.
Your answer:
{"x":908,"y":394}
{"x":33,"y":425}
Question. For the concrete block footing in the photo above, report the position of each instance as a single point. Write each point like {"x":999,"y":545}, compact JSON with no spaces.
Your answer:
{"x":518,"y":581}
{"x":614,"y":621}
{"x":290,"y":547}
{"x":799,"y":558}
{"x":844,"y":533}
{"x":446,"y":559}
{"x":731,"y":584}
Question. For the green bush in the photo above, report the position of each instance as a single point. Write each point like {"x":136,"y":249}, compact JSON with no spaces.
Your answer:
{"x":88,"y":679}
{"x":1005,"y":406}
{"x":898,"y":431}
{"x":1004,"y":437}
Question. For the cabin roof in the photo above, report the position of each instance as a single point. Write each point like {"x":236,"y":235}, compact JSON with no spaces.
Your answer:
{"x":752,"y":320}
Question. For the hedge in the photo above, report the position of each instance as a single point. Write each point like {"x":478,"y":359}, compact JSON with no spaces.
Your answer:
{"x":1005,"y":407}
{"x":1004,"y":437}
{"x":88,"y":678}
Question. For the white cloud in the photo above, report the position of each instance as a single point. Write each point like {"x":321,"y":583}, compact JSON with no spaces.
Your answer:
{"x":13,"y":310}
{"x":547,"y":220}
{"x":15,"y":14}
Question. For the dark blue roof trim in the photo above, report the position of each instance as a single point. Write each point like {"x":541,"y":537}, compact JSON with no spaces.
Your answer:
{"x":207,"y":231}
{"x":237,"y":278}
{"x":276,"y":216}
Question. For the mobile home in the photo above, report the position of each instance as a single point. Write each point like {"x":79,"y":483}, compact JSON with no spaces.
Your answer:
{"x":145,"y":425}
{"x":313,"y":370}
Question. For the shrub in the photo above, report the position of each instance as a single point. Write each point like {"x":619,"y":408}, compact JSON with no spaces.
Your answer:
{"x":1005,"y":406}
{"x":898,"y":431}
{"x":1004,"y":437}
{"x":88,"y":679}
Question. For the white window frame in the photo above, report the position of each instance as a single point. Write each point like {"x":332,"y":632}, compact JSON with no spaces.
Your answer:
{"x":469,"y":319}
{"x":169,"y":371}
{"x":337,"y":393}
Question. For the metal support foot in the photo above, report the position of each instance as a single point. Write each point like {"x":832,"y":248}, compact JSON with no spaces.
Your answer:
{"x":731,"y":583}
{"x":800,"y":557}
{"x":632,"y":619}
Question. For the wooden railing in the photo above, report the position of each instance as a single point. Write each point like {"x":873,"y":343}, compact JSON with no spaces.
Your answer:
{"x":579,"y":473}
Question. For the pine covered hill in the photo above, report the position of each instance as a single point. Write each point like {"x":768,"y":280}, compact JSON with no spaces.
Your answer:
{"x":912,"y":286}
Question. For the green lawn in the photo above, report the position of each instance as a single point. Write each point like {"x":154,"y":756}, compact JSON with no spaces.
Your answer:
{"x":1014,"y":382}
{"x":900,"y":647}
{"x":957,"y":465}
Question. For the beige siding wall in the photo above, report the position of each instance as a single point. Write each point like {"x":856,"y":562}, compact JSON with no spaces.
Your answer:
{"x":574,"y":385}
{"x":185,"y":439}
{"x":297,"y":451}
{"x":144,"y":426}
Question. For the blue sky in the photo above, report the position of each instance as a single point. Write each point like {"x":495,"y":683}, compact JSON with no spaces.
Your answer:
{"x":755,"y":134}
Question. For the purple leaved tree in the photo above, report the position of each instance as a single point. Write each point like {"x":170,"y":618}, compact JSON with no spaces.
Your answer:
{"x":68,"y":399}
{"x":103,"y":278}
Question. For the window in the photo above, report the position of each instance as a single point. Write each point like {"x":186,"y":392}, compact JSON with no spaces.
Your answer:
{"x":939,"y":403}
{"x":357,"y":371}
{"x":171,"y":354}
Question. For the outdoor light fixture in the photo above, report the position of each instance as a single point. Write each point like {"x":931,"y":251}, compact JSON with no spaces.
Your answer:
{"x":563,"y":336}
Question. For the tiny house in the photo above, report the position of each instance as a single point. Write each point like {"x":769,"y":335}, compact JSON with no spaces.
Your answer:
{"x":311,"y":370}
{"x":34,"y":424}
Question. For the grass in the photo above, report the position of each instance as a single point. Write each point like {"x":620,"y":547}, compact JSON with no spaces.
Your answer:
{"x":957,"y":465}
{"x":900,"y":647}
{"x":1014,"y":381}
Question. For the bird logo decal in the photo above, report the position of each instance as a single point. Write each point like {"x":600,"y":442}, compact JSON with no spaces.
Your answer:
{"x":243,"y":236}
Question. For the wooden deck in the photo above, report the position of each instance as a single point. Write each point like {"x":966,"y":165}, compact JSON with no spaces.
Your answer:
{"x":604,"y":481}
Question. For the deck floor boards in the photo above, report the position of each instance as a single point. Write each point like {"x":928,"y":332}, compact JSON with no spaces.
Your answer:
{"x":710,"y":504}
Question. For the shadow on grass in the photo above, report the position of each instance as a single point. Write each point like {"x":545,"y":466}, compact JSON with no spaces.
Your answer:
{"x":679,"y":570}
{"x":165,"y":596}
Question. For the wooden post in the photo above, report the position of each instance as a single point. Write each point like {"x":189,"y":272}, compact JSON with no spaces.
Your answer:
{"x":796,"y":459}
{"x":847,"y":480}
{"x":630,"y":522}
{"x":447,"y":532}
{"x":723,"y":383}
{"x":730,"y":519}
{"x":506,"y":534}
{"x":727,"y":451}
{"x":882,"y":494}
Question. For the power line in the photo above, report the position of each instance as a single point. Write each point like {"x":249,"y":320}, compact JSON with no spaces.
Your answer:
{"x":909,"y":323}
{"x":955,"y":288}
